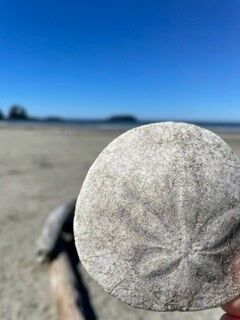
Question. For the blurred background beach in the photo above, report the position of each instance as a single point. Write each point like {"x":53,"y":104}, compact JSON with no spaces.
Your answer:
{"x":73,"y":76}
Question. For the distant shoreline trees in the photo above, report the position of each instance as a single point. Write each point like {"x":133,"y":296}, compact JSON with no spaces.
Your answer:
{"x":1,"y":115}
{"x":17,"y":112}
{"x":122,"y":118}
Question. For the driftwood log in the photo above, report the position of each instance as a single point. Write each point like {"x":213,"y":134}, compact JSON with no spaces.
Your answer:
{"x":56,"y":247}
{"x":58,"y":223}
{"x":65,"y":292}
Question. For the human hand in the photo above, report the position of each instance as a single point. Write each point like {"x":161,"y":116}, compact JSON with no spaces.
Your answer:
{"x":233,"y":310}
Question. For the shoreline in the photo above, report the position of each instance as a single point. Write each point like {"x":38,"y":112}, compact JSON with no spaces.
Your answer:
{"x":217,"y":128}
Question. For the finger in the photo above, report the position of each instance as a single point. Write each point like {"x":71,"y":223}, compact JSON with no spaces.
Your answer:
{"x":233,"y":307}
{"x":229,"y":317}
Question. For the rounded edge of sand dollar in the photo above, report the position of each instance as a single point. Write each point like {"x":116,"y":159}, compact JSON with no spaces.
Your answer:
{"x":116,"y":218}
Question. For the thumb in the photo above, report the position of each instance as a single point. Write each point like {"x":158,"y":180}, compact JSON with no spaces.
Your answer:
{"x":229,"y":317}
{"x":233,"y":309}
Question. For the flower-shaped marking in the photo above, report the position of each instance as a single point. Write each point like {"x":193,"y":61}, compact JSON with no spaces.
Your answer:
{"x":199,"y":251}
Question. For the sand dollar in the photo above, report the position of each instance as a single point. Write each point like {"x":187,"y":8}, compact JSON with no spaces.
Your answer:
{"x":157,"y":219}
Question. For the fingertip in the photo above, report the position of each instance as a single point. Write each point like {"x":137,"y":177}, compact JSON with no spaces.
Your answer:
{"x":227,"y":316}
{"x":232,"y":308}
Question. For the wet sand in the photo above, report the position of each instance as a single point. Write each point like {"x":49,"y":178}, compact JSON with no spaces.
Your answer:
{"x":42,"y":167}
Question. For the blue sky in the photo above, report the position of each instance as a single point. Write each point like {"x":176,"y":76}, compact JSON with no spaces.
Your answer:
{"x":155,"y":59}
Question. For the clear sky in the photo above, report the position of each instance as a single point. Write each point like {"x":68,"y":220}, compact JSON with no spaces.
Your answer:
{"x":155,"y":59}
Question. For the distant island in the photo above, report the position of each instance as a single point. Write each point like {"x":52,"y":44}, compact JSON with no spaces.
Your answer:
{"x":18,"y":113}
{"x":122,"y":119}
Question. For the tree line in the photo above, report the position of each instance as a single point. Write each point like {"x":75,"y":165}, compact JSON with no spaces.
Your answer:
{"x":16,"y":112}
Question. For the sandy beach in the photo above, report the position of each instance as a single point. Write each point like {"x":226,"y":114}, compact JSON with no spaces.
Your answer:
{"x":42,"y":167}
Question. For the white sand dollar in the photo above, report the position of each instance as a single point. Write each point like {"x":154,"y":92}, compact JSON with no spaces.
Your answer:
{"x":157,"y":221}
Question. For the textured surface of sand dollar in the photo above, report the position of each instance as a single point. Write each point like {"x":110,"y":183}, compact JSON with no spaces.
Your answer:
{"x":157,"y":219}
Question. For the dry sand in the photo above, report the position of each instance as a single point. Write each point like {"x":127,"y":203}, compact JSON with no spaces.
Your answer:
{"x":40,"y":168}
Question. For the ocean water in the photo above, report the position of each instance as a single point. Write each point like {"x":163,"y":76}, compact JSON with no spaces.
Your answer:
{"x":233,"y":127}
